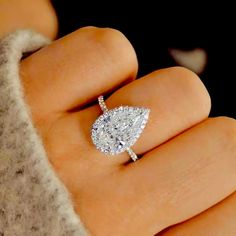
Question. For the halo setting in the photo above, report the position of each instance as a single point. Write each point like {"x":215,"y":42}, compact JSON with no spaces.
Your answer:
{"x":118,"y":129}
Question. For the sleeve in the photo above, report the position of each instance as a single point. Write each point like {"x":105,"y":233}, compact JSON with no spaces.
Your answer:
{"x":33,"y":201}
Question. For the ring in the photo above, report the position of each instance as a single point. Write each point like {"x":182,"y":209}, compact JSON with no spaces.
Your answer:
{"x":116,"y":130}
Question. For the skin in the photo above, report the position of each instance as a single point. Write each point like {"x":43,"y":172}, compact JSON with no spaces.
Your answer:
{"x":186,"y":175}
{"x":36,"y":14}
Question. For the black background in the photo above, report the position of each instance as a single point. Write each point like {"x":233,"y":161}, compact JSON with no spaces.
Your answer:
{"x":153,"y":29}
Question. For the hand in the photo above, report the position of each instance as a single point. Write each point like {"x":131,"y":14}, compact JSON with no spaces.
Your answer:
{"x":188,"y":162}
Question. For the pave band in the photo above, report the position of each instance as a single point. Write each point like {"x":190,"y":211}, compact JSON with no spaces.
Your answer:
{"x":102,"y":104}
{"x":116,"y":130}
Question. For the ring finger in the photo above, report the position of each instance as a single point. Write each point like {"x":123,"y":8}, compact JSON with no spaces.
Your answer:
{"x":177,"y":100}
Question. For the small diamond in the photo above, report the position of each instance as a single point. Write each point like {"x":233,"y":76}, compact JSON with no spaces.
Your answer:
{"x":119,"y":128}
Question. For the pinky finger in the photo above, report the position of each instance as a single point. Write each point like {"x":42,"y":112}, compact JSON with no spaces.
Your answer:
{"x":216,"y":221}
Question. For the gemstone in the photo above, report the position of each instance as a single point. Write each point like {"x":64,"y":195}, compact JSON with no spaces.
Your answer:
{"x":119,"y":128}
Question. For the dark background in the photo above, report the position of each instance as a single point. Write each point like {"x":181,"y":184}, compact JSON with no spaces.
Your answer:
{"x":154,"y":29}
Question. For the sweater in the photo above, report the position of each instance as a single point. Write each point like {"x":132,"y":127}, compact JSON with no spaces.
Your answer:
{"x":33,"y":201}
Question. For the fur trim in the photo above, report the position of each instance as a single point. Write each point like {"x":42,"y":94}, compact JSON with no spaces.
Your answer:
{"x":32,"y":199}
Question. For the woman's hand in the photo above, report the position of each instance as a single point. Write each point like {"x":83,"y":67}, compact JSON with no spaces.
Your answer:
{"x":188,"y":161}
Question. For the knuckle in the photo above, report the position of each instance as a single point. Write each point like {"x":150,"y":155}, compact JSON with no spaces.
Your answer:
{"x":112,"y":46}
{"x":116,"y":46}
{"x":191,"y":88}
{"x":227,"y":128}
{"x":195,"y":90}
{"x":224,"y":134}
{"x":188,"y":78}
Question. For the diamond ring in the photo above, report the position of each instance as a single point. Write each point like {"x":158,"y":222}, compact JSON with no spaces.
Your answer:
{"x":116,"y":130}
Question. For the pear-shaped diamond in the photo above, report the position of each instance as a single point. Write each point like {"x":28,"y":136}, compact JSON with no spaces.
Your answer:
{"x":119,"y":128}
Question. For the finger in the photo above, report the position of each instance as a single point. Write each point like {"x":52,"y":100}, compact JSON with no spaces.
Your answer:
{"x":177,"y":100}
{"x":217,"y":221}
{"x":74,"y":70}
{"x":38,"y":15}
{"x":184,"y":176}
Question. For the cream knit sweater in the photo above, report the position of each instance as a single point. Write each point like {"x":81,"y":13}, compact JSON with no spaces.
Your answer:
{"x":32,"y":199}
